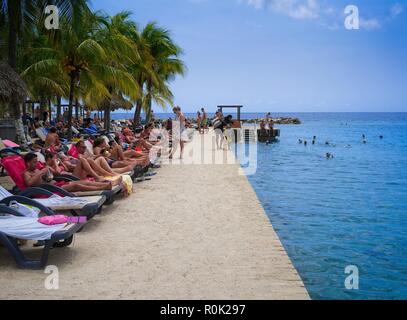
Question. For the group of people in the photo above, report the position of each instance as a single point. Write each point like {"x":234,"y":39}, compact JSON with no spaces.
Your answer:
{"x":99,"y":161}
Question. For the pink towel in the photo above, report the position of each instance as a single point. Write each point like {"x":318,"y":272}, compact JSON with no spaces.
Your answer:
{"x":53,"y":220}
{"x":10,"y":144}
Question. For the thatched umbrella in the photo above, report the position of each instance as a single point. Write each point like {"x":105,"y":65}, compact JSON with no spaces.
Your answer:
{"x":12,"y":86}
{"x":13,"y":91}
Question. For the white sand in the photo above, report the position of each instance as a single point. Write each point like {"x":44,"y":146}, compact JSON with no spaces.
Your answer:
{"x":193,"y":232}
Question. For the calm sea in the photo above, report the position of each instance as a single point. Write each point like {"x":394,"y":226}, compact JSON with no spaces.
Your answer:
{"x":347,"y":211}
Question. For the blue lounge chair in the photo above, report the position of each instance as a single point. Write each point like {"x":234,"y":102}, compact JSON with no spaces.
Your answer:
{"x":14,"y":226}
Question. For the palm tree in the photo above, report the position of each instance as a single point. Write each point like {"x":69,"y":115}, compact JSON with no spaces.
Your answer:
{"x":72,"y":56}
{"x":161,"y":63}
{"x":122,"y":52}
{"x":93,"y":56}
{"x":166,"y":65}
{"x":22,"y":16}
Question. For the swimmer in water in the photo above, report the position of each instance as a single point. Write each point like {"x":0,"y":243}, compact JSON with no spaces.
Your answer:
{"x":329,"y":155}
{"x":381,"y":137}
{"x":305,"y":142}
{"x":299,"y":141}
{"x":313,"y":141}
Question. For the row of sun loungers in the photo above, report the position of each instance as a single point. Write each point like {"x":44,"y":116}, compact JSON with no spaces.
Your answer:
{"x":20,"y":209}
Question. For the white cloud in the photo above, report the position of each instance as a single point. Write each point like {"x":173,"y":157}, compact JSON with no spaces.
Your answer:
{"x":327,"y":15}
{"x":370,"y":24}
{"x":297,"y":9}
{"x":258,"y":4}
{"x":396,"y":9}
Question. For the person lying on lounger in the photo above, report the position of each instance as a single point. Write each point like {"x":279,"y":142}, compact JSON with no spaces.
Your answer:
{"x":117,"y":153}
{"x":79,"y":168}
{"x":102,"y":149}
{"x":54,"y":164}
{"x":98,"y":163}
{"x":34,"y":177}
{"x":52,"y":141}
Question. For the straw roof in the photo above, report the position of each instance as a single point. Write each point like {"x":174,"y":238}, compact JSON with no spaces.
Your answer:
{"x":12,"y":85}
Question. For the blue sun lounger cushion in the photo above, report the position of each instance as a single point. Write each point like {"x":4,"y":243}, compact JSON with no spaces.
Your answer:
{"x":27,"y":228}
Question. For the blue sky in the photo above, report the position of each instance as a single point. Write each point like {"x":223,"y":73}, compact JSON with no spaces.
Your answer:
{"x":283,"y":55}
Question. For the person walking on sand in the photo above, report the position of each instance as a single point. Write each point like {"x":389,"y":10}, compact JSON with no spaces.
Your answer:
{"x":179,"y":132}
{"x":204,"y":120}
{"x":219,"y":127}
{"x":199,"y":122}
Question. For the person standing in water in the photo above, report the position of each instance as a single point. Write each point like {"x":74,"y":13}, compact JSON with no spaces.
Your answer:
{"x":269,"y":121}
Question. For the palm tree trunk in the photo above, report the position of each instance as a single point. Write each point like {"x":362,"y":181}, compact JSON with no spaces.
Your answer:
{"x":58,"y":107}
{"x":139,"y":104}
{"x":77,"y":109}
{"x":50,"y":109}
{"x":14,"y":106}
{"x":107,"y":115}
{"x":43,"y":107}
{"x":148,"y":109}
{"x":148,"y":112}
{"x":13,"y":6}
{"x":137,"y":113}
{"x":24,"y":109}
{"x":70,"y":105}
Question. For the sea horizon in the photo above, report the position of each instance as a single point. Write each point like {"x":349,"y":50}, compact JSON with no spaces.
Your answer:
{"x":302,"y":116}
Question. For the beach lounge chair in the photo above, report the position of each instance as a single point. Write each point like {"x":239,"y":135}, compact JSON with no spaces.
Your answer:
{"x":62,"y":200}
{"x":109,"y":194}
{"x":77,"y":206}
{"x":9,"y":148}
{"x":14,"y":226}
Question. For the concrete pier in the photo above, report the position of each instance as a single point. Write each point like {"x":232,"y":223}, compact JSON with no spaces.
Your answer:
{"x":195,"y":231}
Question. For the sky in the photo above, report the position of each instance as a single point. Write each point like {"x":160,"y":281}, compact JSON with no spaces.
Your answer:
{"x":283,"y":55}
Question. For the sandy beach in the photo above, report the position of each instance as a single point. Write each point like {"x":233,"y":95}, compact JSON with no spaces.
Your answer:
{"x":192,"y":232}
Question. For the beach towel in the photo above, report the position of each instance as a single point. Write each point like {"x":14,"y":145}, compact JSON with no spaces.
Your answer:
{"x":127,"y":184}
{"x":26,"y":228}
{"x":73,"y":152}
{"x":53,"y":220}
{"x":25,"y":210}
{"x":10,"y":144}
{"x":55,"y":201}
{"x":15,"y":167}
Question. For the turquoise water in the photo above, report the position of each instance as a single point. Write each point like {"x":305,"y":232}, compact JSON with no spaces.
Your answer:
{"x":350,"y":210}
